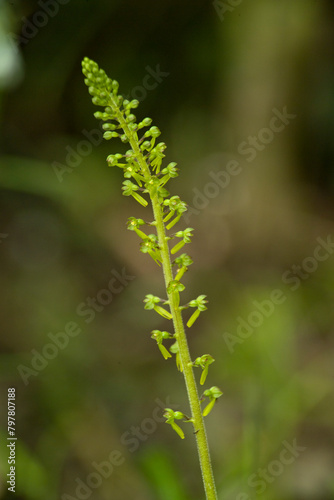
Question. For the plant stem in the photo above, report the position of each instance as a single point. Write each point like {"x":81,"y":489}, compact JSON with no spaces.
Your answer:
{"x":196,"y":412}
{"x":180,"y":336}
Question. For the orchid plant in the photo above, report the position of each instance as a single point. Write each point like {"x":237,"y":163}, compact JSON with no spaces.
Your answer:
{"x":145,"y":180}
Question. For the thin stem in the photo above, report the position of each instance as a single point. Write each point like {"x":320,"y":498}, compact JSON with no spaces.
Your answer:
{"x":196,"y":412}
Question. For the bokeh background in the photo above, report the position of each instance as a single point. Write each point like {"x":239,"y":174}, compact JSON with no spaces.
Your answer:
{"x":226,"y":66}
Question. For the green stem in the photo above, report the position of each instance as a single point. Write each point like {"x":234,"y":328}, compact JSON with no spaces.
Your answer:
{"x":196,"y":412}
{"x":180,"y":335}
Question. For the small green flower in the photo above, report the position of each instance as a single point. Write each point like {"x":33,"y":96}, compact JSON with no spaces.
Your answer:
{"x":200,"y":304}
{"x":213,"y":394}
{"x":113,"y":160}
{"x":128,"y":105}
{"x":145,"y":146}
{"x":124,"y":137}
{"x":109,"y":135}
{"x":176,"y":206}
{"x":149,"y":243}
{"x":151,"y":302}
{"x":102,"y":116}
{"x":156,"y":156}
{"x":130,"y":118}
{"x":145,"y":123}
{"x":159,"y":336}
{"x":183,"y":262}
{"x":129,"y":189}
{"x":152,"y":185}
{"x":152,"y":132}
{"x":134,"y":224}
{"x":186,"y":236}
{"x":175,"y":287}
{"x":204,"y":362}
{"x":171,"y":170}
{"x":110,"y":126}
{"x":171,"y":416}
{"x":131,"y":170}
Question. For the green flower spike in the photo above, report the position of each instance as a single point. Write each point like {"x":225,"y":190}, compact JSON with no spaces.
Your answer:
{"x":174,"y":348}
{"x":204,"y":362}
{"x":145,"y":180}
{"x":200,"y":304}
{"x":214,"y":393}
{"x":171,"y":415}
{"x":159,"y":337}
{"x":151,"y":302}
{"x":183,"y":261}
{"x":186,"y":236}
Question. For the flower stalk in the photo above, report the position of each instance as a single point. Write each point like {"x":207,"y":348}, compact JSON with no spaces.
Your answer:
{"x":143,"y":165}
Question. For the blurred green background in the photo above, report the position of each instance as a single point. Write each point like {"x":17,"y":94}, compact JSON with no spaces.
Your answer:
{"x":222,"y":70}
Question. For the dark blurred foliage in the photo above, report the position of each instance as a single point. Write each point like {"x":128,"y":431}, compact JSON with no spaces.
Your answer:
{"x":61,"y":238}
